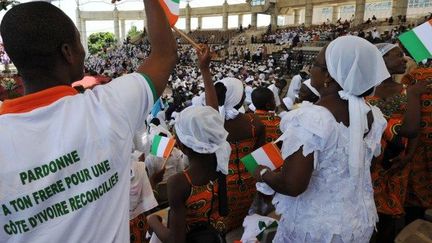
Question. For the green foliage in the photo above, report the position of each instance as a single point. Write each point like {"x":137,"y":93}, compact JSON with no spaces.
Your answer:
{"x":97,"y":41}
{"x":133,"y":32}
{"x":5,"y":3}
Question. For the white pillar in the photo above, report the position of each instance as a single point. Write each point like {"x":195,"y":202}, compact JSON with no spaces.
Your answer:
{"x":296,"y":16}
{"x":359,"y":12}
{"x":240,"y":20}
{"x":78,"y":19}
{"x":79,"y":25}
{"x":117,"y":25}
{"x":254,"y":20}
{"x":308,"y":13}
{"x":144,"y":18}
{"x":399,"y":7}
{"x":84,"y":34}
{"x":123,"y":29}
{"x":335,"y":14}
{"x":199,"y":22}
{"x":225,"y":16}
{"x":274,"y":18}
{"x":188,"y":18}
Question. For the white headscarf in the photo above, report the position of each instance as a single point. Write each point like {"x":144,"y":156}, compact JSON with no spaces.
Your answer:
{"x":384,"y":48}
{"x":201,"y":128}
{"x":233,"y":96}
{"x":357,"y":66}
{"x":311,"y":88}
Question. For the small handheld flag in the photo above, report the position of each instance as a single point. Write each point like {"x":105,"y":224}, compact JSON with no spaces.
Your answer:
{"x":172,"y":10}
{"x":268,"y":155}
{"x":162,"y":146}
{"x":418,"y":41}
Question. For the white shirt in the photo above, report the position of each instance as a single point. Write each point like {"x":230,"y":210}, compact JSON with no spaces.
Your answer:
{"x":275,"y":91}
{"x":141,"y":193}
{"x":335,"y":207}
{"x":375,"y":34}
{"x":294,"y":87}
{"x":248,"y":93}
{"x":89,"y":191}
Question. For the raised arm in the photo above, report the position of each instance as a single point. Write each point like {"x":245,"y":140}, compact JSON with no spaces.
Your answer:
{"x":204,"y":63}
{"x":177,"y":195}
{"x":163,"y":57}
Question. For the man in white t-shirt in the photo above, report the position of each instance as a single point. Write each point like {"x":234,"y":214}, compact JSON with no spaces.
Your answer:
{"x":276,"y":88}
{"x":248,"y":90}
{"x":65,"y":157}
{"x":295,"y":85}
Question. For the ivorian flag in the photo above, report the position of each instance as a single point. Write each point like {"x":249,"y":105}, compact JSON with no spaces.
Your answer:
{"x":418,"y":41}
{"x":268,"y":155}
{"x":172,"y":10}
{"x":162,"y":146}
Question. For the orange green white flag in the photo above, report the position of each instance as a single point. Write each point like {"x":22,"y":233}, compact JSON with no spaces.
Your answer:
{"x":162,"y":146}
{"x":418,"y":41}
{"x":172,"y":10}
{"x":268,"y":155}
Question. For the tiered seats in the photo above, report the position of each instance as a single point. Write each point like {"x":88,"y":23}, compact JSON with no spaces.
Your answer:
{"x":210,"y":36}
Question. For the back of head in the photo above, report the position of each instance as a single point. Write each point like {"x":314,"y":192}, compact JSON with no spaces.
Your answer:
{"x":355,"y":64}
{"x":201,"y":129}
{"x":33,"y":34}
{"x":263,"y":99}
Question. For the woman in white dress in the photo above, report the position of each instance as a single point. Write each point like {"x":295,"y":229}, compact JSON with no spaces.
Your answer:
{"x":324,"y":191}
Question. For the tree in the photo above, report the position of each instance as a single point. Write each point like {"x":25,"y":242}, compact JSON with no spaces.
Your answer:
{"x":98,"y":41}
{"x":5,"y":3}
{"x":133,"y":32}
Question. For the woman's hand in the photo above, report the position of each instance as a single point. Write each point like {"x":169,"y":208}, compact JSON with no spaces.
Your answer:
{"x":257,"y":173}
{"x":204,"y":56}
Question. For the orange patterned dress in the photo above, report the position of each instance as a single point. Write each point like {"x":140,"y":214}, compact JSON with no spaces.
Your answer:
{"x":199,"y":204}
{"x":390,"y":185}
{"x":138,"y":229}
{"x":241,"y":188}
{"x":420,"y":178}
{"x":271,"y":122}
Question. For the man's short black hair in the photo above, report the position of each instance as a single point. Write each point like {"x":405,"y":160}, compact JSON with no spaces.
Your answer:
{"x":33,"y":34}
{"x":261,"y":97}
{"x":155,"y":121}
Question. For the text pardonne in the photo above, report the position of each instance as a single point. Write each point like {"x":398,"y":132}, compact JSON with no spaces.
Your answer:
{"x":67,"y":204}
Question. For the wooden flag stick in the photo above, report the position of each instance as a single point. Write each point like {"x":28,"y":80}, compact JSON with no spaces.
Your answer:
{"x":186,"y":37}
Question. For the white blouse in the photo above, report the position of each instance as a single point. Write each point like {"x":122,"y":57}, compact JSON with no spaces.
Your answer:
{"x":335,"y":207}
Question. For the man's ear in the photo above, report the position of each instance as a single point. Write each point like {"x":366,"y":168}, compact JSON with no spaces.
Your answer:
{"x":66,"y":50}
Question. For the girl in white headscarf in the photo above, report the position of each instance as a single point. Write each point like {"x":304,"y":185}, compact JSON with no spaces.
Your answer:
{"x":201,"y":188}
{"x":390,"y":172}
{"x":246,"y":133}
{"x":324,"y":190}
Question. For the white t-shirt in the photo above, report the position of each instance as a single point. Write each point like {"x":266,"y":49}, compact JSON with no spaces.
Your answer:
{"x":294,"y":87}
{"x":275,"y":91}
{"x":141,"y":193}
{"x":248,"y":93}
{"x":65,"y":167}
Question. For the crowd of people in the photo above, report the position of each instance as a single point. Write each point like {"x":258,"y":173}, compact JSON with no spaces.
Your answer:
{"x":84,"y":165}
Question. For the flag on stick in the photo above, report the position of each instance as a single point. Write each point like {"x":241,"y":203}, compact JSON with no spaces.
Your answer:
{"x":172,"y":10}
{"x":162,"y":146}
{"x":268,"y":155}
{"x":418,"y":41}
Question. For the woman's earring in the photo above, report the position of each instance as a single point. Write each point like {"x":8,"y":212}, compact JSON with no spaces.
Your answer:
{"x":326,"y":85}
